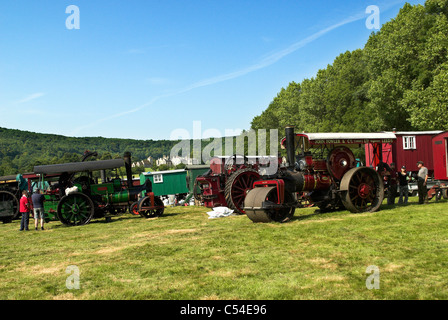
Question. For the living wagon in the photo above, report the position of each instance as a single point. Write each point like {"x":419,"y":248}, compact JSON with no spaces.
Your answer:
{"x":431,"y":147}
{"x":168,"y":182}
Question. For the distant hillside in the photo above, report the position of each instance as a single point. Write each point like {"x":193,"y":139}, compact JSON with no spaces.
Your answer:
{"x":20,"y":150}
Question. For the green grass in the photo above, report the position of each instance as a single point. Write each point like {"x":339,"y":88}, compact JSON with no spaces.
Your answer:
{"x":185,"y":255}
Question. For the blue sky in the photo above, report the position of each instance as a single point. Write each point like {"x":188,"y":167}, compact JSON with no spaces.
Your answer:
{"x":141,"y":69}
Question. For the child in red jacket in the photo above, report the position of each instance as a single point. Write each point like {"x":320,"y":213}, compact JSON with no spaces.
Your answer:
{"x":25,"y":211}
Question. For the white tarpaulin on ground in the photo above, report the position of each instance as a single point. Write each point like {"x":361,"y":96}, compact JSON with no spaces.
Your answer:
{"x":219,"y":212}
{"x":71,"y":190}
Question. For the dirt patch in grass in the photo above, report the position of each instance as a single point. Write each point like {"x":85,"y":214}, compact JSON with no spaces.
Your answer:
{"x":321,"y":220}
{"x":392,"y":267}
{"x":143,"y":235}
{"x":332,"y":278}
{"x":152,"y":235}
{"x":54,"y":269}
{"x":323,"y":263}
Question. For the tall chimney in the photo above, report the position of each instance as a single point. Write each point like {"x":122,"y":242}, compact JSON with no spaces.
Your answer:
{"x":290,"y":146}
{"x":128,"y":166}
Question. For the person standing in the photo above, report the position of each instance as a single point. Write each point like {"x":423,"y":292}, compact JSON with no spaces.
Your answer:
{"x":38,"y":205}
{"x":25,"y":211}
{"x":422,"y":179}
{"x":392,"y":184}
{"x":403,"y":186}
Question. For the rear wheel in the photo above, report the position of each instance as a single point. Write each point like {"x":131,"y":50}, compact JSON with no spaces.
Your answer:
{"x":237,"y":187}
{"x":364,"y":190}
{"x":75,"y":209}
{"x":11,"y":202}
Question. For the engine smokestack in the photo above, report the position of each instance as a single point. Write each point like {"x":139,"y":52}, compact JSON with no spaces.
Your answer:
{"x":128,"y":166}
{"x":290,"y":146}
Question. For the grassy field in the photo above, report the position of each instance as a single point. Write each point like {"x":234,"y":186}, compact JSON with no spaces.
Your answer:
{"x":185,"y":255}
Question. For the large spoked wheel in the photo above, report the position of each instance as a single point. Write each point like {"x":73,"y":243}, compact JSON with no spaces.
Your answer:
{"x":363,"y":190}
{"x":147,"y":211}
{"x":257,"y":200}
{"x":11,"y":202}
{"x":237,"y":187}
{"x":75,"y":209}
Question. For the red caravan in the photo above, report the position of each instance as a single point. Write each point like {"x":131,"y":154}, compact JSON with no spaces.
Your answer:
{"x":431,"y":147}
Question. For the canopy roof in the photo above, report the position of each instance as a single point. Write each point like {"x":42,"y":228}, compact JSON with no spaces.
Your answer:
{"x":349,"y":137}
{"x":79,"y":166}
{"x":344,"y":138}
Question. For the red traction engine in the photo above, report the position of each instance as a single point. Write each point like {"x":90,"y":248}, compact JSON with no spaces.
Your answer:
{"x":227,"y":182}
{"x":328,"y":177}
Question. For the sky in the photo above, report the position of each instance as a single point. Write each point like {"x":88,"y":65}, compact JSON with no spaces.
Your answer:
{"x":144,"y":69}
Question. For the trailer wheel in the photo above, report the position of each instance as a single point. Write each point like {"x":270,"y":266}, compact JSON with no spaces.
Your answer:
{"x":147,"y":211}
{"x":75,"y":209}
{"x":133,"y":208}
{"x":444,"y":191}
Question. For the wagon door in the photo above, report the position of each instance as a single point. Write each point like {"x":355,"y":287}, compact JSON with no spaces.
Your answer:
{"x":440,"y":156}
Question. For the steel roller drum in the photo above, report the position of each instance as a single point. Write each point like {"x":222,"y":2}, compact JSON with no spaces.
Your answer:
{"x":253,"y":203}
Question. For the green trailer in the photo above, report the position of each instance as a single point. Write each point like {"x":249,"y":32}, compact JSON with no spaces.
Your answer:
{"x":175,"y":182}
{"x":169,"y":182}
{"x":194,"y":171}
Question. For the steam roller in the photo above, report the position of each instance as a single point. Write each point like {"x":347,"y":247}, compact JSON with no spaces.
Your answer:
{"x":324,"y":170}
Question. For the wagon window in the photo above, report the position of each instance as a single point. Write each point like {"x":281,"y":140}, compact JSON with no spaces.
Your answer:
{"x":409,"y":142}
{"x":158,"y":178}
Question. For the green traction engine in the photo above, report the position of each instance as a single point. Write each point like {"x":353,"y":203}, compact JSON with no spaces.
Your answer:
{"x":77,"y":196}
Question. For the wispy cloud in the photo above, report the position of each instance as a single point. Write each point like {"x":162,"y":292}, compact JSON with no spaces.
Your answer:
{"x":262,"y":63}
{"x":31,"y":97}
{"x":272,"y":58}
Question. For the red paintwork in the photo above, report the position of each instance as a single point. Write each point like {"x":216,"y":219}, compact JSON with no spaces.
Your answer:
{"x":440,"y":156}
{"x":431,"y":148}
{"x":279,"y":183}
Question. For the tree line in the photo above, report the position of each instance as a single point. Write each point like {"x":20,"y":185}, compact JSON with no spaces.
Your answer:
{"x":20,"y":150}
{"x":398,"y":80}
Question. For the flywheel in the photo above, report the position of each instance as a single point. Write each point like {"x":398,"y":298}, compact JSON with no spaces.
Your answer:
{"x":237,"y":187}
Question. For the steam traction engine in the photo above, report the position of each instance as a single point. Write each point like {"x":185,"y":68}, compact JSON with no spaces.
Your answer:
{"x":324,"y":169}
{"x":227,"y":182}
{"x":11,"y":188}
{"x":79,"y":198}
